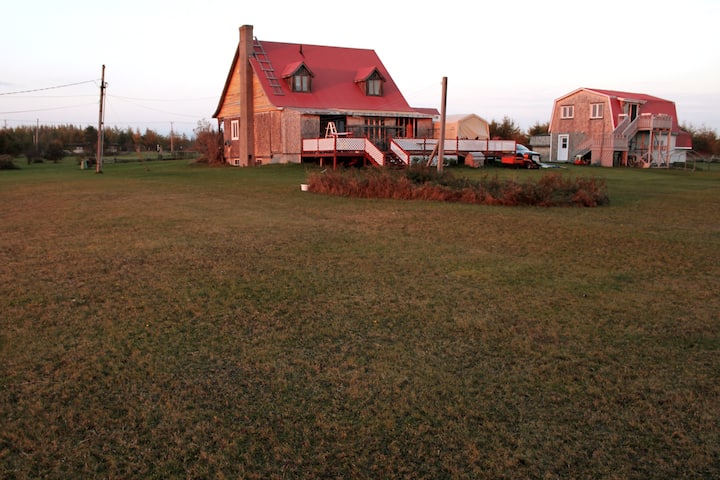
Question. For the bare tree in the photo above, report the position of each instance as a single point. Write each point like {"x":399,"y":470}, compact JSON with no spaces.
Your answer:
{"x":208,"y":142}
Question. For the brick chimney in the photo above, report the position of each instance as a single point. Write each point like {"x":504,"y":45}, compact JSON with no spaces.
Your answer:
{"x":245,"y":75}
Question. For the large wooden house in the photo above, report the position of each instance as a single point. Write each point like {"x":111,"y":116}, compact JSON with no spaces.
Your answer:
{"x":278,"y":94}
{"x":612,"y":128}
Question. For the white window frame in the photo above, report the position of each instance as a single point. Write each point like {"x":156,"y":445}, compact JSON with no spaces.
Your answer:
{"x":567,"y":111}
{"x":596,"y":110}
{"x":235,"y":129}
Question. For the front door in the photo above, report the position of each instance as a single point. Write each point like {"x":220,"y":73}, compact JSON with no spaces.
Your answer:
{"x":563,"y":147}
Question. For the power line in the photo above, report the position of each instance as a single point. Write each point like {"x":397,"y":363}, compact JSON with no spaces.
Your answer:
{"x":56,"y":96}
{"x":186,"y":99}
{"x":47,"y":88}
{"x":47,"y":109}
{"x":125,"y":99}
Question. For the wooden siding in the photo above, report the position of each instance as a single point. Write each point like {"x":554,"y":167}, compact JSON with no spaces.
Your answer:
{"x":292,"y":135}
{"x":310,"y":126}
{"x":581,"y":121}
{"x":265,"y":129}
{"x":261,"y":101}
{"x":278,"y":135}
{"x":586,"y":134}
{"x":424,"y":128}
{"x":231,"y":103}
{"x":231,"y":148}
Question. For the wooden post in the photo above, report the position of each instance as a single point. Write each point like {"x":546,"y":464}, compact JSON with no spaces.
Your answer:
{"x":335,"y":153}
{"x":441,"y":141}
{"x":667,"y":146}
{"x":101,"y":127}
{"x":652,"y":139}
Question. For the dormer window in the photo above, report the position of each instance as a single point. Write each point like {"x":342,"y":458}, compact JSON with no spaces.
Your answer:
{"x":299,"y":78}
{"x":370,"y":81}
{"x":301,"y":81}
{"x":373,"y":86}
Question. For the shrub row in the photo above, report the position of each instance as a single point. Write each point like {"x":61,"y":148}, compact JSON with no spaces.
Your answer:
{"x":6,"y":163}
{"x":550,"y":190}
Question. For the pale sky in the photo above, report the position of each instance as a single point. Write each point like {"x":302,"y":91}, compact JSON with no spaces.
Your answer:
{"x":167,"y":61}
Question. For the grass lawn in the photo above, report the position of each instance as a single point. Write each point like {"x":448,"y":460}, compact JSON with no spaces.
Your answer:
{"x":163,"y":320}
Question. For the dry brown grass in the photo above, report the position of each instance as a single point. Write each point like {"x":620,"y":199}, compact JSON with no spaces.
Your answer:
{"x":163,"y":321}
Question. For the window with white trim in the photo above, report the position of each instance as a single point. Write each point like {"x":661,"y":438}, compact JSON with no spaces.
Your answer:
{"x":596,"y":110}
{"x":567,"y":111}
{"x":235,"y":129}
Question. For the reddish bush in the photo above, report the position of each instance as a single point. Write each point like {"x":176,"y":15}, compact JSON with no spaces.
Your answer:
{"x":425,"y":184}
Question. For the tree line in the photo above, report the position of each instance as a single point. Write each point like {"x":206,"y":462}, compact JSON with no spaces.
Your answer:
{"x":49,"y":142}
{"x":705,"y":141}
{"x":508,"y":130}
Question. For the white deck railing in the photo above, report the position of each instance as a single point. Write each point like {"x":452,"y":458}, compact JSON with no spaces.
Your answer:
{"x":422,"y":145}
{"x":340,"y":144}
{"x":403,"y":147}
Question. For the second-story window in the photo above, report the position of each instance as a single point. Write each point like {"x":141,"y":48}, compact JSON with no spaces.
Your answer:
{"x":373,"y":85}
{"x":301,"y":80}
{"x":596,"y":110}
{"x":567,"y":111}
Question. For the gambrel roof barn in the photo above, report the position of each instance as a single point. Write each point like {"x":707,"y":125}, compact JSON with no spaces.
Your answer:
{"x":614,"y":128}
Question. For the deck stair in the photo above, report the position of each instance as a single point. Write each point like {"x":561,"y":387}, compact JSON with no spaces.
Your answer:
{"x":336,"y":146}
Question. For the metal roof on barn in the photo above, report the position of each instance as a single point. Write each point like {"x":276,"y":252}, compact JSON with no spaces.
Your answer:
{"x":648,"y":104}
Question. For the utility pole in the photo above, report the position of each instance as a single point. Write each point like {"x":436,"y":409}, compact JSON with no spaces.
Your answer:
{"x":172,"y":144}
{"x":101,"y":126}
{"x":441,"y":141}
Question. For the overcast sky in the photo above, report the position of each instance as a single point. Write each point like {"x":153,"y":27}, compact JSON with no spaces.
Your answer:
{"x":167,"y":61}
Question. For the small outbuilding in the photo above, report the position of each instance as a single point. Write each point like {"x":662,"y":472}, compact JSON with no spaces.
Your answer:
{"x":466,"y":126}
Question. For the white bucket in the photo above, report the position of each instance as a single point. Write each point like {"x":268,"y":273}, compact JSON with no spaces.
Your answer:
{"x":304,"y":187}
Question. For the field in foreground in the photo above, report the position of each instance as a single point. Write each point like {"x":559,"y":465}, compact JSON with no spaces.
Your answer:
{"x":165,"y":321}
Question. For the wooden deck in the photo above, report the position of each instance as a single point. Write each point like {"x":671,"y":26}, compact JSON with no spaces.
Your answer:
{"x":405,"y":149}
{"x":336,"y":147}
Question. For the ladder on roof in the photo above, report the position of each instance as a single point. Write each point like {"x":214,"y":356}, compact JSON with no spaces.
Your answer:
{"x":266,"y":66}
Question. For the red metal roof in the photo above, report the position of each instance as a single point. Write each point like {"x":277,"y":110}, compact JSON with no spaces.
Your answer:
{"x":647,"y":104}
{"x":335,"y":71}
